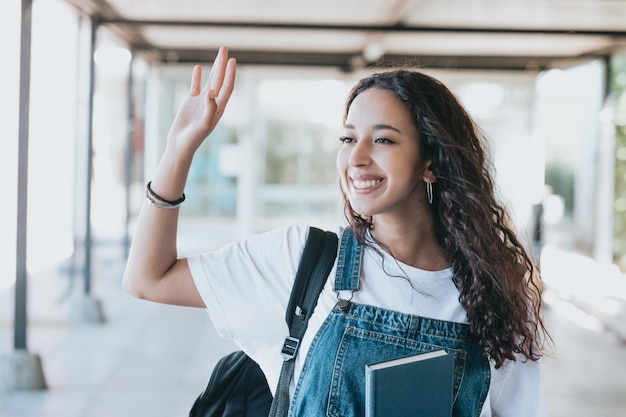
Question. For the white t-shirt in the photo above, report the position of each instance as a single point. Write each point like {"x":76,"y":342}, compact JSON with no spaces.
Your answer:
{"x":246,"y":285}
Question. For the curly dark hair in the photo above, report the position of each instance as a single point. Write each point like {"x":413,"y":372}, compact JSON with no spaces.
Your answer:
{"x":499,"y":283}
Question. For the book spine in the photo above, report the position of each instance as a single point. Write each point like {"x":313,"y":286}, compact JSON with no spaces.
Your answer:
{"x":369,"y":392}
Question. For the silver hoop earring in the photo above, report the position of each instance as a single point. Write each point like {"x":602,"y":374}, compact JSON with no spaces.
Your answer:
{"x":429,"y":191}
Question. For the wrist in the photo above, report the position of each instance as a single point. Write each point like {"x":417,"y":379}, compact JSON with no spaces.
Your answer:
{"x":159,"y":201}
{"x":176,"y":156}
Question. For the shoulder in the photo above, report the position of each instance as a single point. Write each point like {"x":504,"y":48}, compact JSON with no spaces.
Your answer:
{"x":271,"y":248}
{"x":283,"y":242}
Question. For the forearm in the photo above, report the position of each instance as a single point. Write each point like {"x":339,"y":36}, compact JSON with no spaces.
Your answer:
{"x":153,"y":251}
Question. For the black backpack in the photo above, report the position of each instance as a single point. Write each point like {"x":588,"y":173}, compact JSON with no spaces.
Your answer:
{"x":237,"y":387}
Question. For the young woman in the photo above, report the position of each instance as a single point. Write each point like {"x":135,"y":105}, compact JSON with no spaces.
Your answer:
{"x":427,"y":261}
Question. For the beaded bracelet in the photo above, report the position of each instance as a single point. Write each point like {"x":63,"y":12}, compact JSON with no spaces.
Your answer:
{"x":169,"y":202}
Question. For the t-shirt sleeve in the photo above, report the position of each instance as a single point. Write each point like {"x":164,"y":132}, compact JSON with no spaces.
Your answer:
{"x":516,"y":390}
{"x":246,"y":285}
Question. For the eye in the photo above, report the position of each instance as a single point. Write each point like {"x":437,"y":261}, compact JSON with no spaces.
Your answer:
{"x":383,"y":140}
{"x":346,"y":139}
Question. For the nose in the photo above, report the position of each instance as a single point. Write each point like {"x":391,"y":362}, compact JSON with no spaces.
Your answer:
{"x":360,"y":155}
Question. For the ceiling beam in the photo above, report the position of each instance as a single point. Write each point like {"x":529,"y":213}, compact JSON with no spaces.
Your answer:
{"x":352,"y":61}
{"x":395,"y":28}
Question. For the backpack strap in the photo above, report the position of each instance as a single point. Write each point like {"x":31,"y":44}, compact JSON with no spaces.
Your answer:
{"x":316,"y":262}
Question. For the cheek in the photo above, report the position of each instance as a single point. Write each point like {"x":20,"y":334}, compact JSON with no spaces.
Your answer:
{"x":405,"y":168}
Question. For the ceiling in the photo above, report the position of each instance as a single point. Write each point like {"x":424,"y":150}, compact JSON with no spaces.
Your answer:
{"x":351,"y":34}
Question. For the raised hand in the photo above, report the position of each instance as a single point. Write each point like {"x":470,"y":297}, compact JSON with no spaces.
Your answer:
{"x":153,"y":270}
{"x":203,"y":107}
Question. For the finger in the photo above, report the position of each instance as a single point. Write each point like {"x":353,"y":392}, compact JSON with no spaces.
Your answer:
{"x":219,"y":103}
{"x":196,"y":77}
{"x":216,"y":77}
{"x":216,"y":104}
{"x":228,"y":83}
{"x":209,"y":83}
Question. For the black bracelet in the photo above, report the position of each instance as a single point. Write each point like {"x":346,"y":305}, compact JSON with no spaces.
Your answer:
{"x":170,"y":202}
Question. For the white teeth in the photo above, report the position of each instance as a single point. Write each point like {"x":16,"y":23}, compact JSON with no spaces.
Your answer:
{"x":365,"y":184}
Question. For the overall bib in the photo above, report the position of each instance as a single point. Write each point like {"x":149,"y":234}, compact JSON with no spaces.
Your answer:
{"x":332,"y":381}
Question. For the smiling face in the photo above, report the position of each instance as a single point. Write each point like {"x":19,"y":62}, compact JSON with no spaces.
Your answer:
{"x":380,"y":165}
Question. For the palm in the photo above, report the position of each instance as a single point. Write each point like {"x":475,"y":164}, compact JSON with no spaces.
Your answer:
{"x":203,"y":107}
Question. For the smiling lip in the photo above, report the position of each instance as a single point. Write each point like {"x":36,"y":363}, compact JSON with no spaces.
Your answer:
{"x":365,"y":184}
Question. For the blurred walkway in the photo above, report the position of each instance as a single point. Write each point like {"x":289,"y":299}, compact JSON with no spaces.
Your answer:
{"x":145,"y":360}
{"x":586,"y":315}
{"x":153,"y":360}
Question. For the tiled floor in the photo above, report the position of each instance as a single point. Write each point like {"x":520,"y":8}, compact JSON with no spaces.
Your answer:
{"x":153,"y":360}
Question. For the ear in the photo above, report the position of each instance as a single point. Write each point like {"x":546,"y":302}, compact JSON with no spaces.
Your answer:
{"x":427,"y":174}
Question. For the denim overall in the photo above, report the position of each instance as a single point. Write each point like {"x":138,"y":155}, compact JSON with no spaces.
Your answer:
{"x":332,"y":382}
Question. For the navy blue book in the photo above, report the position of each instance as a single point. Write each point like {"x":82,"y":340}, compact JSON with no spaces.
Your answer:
{"x":414,"y":386}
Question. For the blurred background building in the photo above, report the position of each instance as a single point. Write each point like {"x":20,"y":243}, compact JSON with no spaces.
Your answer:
{"x":546,"y":80}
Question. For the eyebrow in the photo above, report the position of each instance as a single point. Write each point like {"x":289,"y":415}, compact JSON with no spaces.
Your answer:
{"x":376,"y":127}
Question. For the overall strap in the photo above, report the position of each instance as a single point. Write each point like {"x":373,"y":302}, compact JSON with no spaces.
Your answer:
{"x":316,"y":262}
{"x":349,"y":262}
